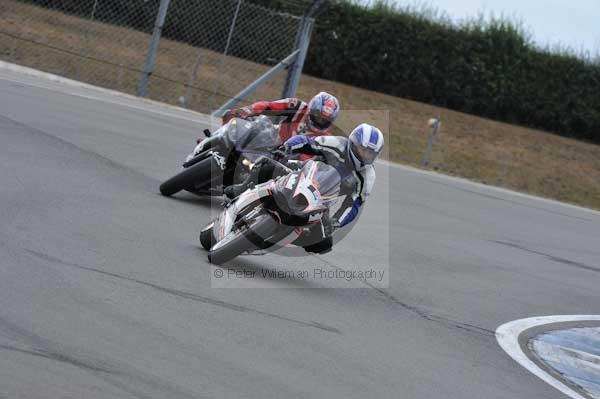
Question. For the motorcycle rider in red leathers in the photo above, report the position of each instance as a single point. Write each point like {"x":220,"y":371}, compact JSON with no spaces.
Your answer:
{"x":313,"y":119}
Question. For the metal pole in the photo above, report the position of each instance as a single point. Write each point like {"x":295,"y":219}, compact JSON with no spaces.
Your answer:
{"x":435,"y":124}
{"x":188,"y":93}
{"x":286,"y":85}
{"x":248,"y":90}
{"x":151,"y":58}
{"x":226,"y":51}
{"x":94,"y":8}
{"x":87,"y":28}
{"x":314,"y":7}
{"x":295,"y":71}
{"x":301,"y":43}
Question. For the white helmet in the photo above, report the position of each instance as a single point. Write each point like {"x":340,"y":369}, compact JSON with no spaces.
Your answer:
{"x":364,"y":145}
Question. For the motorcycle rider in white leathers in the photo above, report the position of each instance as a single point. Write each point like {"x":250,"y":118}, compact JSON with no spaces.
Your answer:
{"x":353,"y":158}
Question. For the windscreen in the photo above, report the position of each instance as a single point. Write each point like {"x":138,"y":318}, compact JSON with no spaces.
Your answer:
{"x":255,"y":136}
{"x":326,"y":179}
{"x":313,"y":188}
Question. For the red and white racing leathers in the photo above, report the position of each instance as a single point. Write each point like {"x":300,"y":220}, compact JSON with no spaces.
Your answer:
{"x":293,"y":112}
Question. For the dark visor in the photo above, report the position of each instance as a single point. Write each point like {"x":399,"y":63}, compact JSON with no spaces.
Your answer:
{"x":319,"y":121}
{"x":365,"y":155}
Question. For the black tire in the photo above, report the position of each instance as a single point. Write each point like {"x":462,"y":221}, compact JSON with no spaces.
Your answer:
{"x":250,"y":239}
{"x":201,"y":173}
{"x":320,"y":248}
{"x":207,"y":238}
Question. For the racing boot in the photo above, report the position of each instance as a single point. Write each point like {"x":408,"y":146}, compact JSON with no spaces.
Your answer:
{"x":235,"y":190}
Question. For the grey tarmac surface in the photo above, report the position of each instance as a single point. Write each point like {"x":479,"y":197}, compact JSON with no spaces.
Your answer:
{"x":105,"y":293}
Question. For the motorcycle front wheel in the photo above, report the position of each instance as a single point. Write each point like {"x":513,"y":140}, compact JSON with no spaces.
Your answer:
{"x":248,"y":238}
{"x":199,"y":174}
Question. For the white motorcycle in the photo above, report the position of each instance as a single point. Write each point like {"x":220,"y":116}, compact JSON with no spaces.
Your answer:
{"x":277,"y":212}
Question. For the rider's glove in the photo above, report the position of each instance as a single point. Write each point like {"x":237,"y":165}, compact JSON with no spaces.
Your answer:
{"x":278,"y":154}
{"x":296,"y":142}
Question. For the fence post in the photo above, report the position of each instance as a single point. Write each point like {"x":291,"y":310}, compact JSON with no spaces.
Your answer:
{"x":297,"y":41}
{"x":87,"y":28}
{"x":192,"y":79}
{"x":295,"y":70}
{"x":225,"y":53}
{"x":434,"y":124}
{"x":151,"y":57}
{"x":302,"y":42}
{"x":285,"y":63}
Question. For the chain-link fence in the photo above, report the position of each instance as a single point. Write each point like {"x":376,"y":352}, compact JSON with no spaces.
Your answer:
{"x":209,"y":49}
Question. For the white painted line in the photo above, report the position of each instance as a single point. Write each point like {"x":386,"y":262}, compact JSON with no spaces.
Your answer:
{"x":113,"y":96}
{"x":508,"y":334}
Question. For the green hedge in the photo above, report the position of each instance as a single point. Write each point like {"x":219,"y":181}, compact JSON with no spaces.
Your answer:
{"x":488,"y":69}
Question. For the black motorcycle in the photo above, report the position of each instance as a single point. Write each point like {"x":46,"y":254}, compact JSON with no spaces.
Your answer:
{"x":224,"y":157}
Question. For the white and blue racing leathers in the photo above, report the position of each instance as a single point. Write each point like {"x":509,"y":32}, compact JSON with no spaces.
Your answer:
{"x":357,"y":180}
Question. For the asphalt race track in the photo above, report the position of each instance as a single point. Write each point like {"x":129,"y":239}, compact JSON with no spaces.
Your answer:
{"x":105,"y":293}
